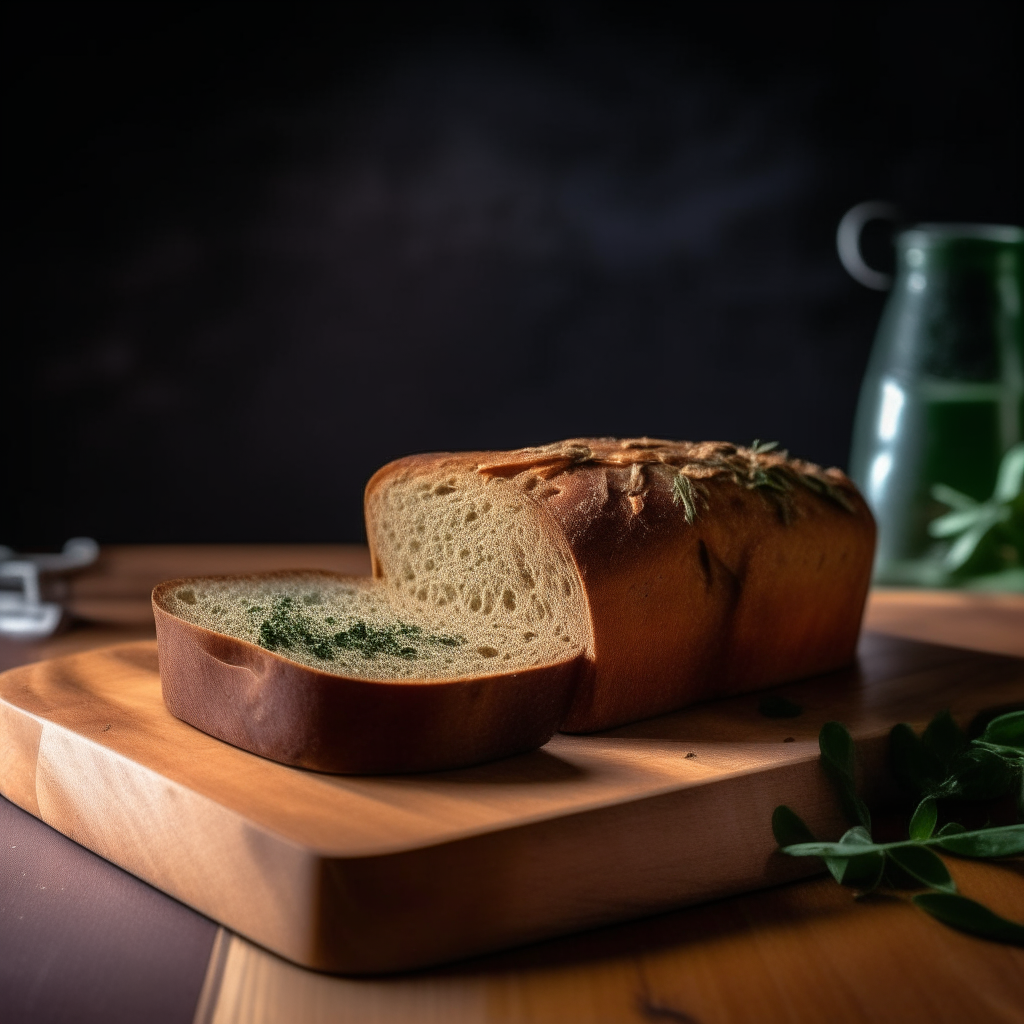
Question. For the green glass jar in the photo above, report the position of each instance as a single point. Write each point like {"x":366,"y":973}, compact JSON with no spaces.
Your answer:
{"x":943,"y":398}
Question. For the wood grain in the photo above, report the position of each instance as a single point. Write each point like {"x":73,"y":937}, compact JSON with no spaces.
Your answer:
{"x":801,"y":953}
{"x":979,"y":621}
{"x":365,"y":875}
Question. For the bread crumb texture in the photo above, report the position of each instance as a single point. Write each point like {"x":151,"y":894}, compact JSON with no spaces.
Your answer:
{"x":466,"y":550}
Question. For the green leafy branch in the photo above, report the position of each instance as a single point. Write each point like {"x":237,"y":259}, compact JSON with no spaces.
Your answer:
{"x":970,"y":522}
{"x":1003,"y":841}
{"x":940,"y":763}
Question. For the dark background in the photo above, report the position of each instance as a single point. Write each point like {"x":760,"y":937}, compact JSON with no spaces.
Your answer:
{"x":257,"y":252}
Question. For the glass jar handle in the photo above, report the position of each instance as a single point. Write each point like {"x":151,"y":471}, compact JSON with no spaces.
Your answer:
{"x":848,"y":242}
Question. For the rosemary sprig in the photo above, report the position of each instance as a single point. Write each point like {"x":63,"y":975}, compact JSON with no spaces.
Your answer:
{"x":772,"y":480}
{"x":777,"y":481}
{"x":683,"y":493}
{"x":940,"y":763}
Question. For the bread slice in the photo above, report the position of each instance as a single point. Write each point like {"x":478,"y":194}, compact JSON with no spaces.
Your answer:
{"x":580,"y":585}
{"x":343,"y":674}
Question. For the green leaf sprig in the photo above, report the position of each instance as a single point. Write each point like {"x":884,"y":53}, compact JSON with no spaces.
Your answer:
{"x":837,"y":758}
{"x":997,"y":523}
{"x":941,"y":763}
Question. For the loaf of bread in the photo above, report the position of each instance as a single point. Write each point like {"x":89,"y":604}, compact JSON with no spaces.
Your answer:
{"x":579,"y":585}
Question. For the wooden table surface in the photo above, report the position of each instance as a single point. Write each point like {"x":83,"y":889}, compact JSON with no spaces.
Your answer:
{"x":806,"y":951}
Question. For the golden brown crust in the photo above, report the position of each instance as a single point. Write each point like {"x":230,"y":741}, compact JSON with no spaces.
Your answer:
{"x":269,"y":705}
{"x":709,"y":569}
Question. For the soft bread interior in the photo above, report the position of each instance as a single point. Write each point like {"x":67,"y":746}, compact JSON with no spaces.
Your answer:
{"x":459,"y":548}
{"x":469,"y":584}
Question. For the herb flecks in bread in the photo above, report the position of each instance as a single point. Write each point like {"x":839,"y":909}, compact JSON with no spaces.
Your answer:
{"x":287,"y":628}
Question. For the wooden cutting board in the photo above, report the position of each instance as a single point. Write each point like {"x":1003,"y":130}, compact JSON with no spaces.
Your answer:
{"x":382,"y":874}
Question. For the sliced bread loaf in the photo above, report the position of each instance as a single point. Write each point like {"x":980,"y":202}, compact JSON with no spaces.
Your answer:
{"x":579,"y":585}
{"x":707,"y":569}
